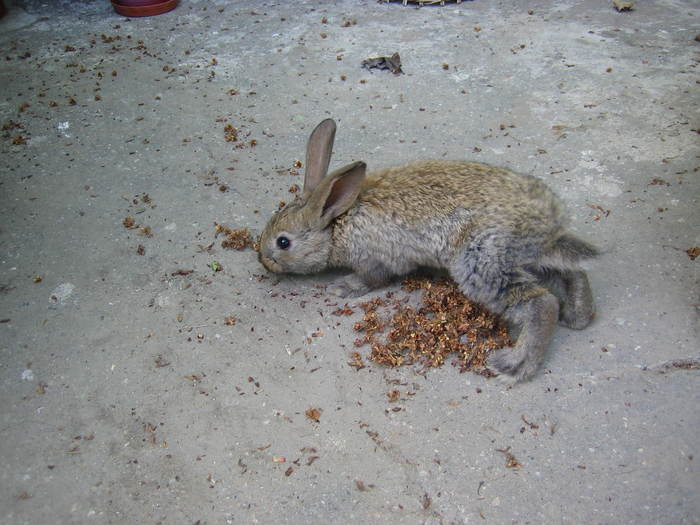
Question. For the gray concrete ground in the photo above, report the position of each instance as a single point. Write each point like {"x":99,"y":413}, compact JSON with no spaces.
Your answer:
{"x":127,"y":399}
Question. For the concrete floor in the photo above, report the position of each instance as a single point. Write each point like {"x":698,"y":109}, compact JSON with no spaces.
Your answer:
{"x":127,"y":399}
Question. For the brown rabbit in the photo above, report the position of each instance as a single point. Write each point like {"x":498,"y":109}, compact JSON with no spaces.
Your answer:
{"x":500,"y":235}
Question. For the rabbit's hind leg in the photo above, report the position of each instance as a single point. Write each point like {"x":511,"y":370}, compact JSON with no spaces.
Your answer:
{"x":536,"y":311}
{"x":576,"y":307}
{"x":490,"y":277}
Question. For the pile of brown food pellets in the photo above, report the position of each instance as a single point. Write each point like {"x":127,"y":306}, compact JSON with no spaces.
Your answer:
{"x":445,"y":322}
{"x":235,"y":239}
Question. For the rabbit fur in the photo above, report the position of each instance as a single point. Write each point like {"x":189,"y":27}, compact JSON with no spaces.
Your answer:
{"x":500,"y":235}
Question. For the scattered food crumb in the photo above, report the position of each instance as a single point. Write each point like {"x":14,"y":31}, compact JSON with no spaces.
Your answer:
{"x":603,"y":212}
{"x":356,"y":361}
{"x":511,"y":460}
{"x":230,"y":133}
{"x":360,"y":485}
{"x":533,"y":426}
{"x":314,"y":414}
{"x":345,"y":310}
{"x":238,"y":239}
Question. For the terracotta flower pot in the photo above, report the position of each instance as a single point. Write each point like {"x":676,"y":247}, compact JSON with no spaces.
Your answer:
{"x":135,"y":3}
{"x":143,"y":7}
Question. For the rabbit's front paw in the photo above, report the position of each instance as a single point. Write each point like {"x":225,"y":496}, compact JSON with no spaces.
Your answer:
{"x":348,"y":286}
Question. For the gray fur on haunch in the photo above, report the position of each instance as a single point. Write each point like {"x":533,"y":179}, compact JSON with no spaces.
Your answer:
{"x":500,"y":235}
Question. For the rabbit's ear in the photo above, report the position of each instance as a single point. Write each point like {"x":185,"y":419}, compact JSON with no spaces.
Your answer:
{"x":318,"y":155}
{"x":335,"y":194}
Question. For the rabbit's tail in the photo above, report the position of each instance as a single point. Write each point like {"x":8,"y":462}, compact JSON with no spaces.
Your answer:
{"x":565,"y":252}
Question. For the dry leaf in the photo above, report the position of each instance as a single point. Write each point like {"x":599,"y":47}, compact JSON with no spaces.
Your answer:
{"x":392,"y":63}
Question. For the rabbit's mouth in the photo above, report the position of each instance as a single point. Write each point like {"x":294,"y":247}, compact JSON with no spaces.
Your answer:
{"x":270,"y":264}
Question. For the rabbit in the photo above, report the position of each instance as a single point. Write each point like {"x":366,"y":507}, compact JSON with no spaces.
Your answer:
{"x":500,"y":235}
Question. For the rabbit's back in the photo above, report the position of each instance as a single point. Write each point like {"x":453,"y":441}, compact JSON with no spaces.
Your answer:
{"x":425,"y":190}
{"x":425,"y":212}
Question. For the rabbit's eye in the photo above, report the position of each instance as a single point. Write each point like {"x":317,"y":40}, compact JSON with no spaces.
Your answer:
{"x":283,"y":243}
